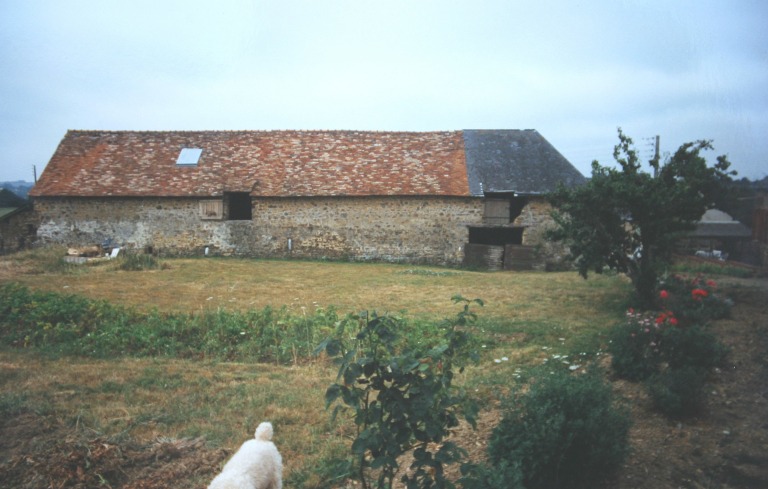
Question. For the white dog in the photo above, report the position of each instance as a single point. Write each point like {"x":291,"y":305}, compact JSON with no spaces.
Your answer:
{"x":257,"y":465}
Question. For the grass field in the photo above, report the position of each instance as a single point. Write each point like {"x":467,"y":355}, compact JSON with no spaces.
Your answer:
{"x":528,"y":318}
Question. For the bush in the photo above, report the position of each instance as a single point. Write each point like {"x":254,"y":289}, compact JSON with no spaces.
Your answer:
{"x":501,"y":476}
{"x":672,"y":349}
{"x":634,"y":346}
{"x":401,"y":396}
{"x":694,"y":301}
{"x":678,"y":392}
{"x":565,"y":432}
{"x":692,"y":346}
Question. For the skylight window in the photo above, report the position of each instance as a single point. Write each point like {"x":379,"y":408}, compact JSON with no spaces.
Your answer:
{"x":189,"y":156}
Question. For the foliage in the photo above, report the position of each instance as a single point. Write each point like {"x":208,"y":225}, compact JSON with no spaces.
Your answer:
{"x":138,"y":261}
{"x":628,"y":220}
{"x":695,"y":301}
{"x":673,"y":350}
{"x":70,"y":324}
{"x":401,"y":395}
{"x":723,"y":269}
{"x":634,"y":345}
{"x":678,"y":392}
{"x":503,"y":475}
{"x":674,"y":337}
{"x":565,"y":431}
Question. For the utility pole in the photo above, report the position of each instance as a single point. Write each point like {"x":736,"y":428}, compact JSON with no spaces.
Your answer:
{"x":656,"y":158}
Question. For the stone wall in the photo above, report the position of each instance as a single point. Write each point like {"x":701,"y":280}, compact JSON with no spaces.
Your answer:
{"x":17,"y":231}
{"x":537,"y":219}
{"x":409,"y":229}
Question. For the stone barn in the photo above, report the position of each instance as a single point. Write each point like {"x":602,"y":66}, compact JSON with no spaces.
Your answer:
{"x":447,"y":198}
{"x":17,"y":223}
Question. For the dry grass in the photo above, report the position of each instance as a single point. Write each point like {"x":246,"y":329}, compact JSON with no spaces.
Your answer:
{"x":194,"y":284}
{"x":147,"y":400}
{"x":527,"y":317}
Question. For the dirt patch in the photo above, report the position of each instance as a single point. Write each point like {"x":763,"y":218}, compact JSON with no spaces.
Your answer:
{"x":726,"y":446}
{"x":39,"y":452}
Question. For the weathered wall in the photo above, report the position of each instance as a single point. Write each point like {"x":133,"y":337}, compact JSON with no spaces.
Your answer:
{"x":411,"y":229}
{"x":17,"y":231}
{"x":537,"y":219}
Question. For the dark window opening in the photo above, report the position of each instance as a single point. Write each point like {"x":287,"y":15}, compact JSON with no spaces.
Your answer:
{"x":495,"y":236}
{"x":516,"y":206}
{"x":239,"y":204}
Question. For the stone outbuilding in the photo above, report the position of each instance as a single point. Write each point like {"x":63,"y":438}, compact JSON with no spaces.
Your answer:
{"x":18,"y":223}
{"x":718,"y":235}
{"x":417,"y":197}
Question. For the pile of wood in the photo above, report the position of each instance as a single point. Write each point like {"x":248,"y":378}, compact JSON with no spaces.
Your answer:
{"x":86,"y":251}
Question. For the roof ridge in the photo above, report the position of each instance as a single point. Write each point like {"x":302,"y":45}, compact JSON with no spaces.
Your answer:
{"x":225,"y":131}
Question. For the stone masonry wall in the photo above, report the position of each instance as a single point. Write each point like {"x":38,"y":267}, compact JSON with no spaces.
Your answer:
{"x":17,"y":232}
{"x":409,"y":229}
{"x":537,"y":219}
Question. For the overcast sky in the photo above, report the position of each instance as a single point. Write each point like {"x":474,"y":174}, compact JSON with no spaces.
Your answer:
{"x":573,"y":70}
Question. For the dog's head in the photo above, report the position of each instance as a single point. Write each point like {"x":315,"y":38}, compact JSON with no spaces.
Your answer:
{"x":264,"y":431}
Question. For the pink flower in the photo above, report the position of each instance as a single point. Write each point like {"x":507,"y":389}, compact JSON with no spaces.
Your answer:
{"x":673,"y":321}
{"x":664,"y":295}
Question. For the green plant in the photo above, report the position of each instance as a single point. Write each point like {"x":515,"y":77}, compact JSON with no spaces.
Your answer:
{"x":503,"y":475}
{"x":138,"y":261}
{"x":694,"y":301}
{"x":402,"y":396}
{"x":73,"y":325}
{"x":634,"y":345}
{"x":673,"y":350}
{"x":678,"y":392}
{"x":564,"y":432}
{"x":692,"y":346}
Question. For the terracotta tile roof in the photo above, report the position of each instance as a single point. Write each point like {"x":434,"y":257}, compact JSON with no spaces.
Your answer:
{"x":265,"y":163}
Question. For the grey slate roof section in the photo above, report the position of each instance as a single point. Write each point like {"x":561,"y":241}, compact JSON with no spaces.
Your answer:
{"x":717,"y":224}
{"x":519,"y":161}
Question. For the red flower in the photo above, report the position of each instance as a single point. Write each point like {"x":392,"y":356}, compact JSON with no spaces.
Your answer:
{"x":664,"y":294}
{"x":673,"y":321}
{"x":699,"y":294}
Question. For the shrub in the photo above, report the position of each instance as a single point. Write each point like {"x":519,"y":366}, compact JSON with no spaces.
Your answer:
{"x":566,"y":431}
{"x":401,"y":396}
{"x":694,"y":301}
{"x":678,"y":392}
{"x":674,"y":351}
{"x":503,"y":475}
{"x":634,"y":345}
{"x":692,"y":346}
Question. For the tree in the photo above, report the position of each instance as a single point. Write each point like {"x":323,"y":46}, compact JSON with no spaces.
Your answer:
{"x":627,"y":220}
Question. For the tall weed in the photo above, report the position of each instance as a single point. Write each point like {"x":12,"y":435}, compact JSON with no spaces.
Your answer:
{"x":70,"y":324}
